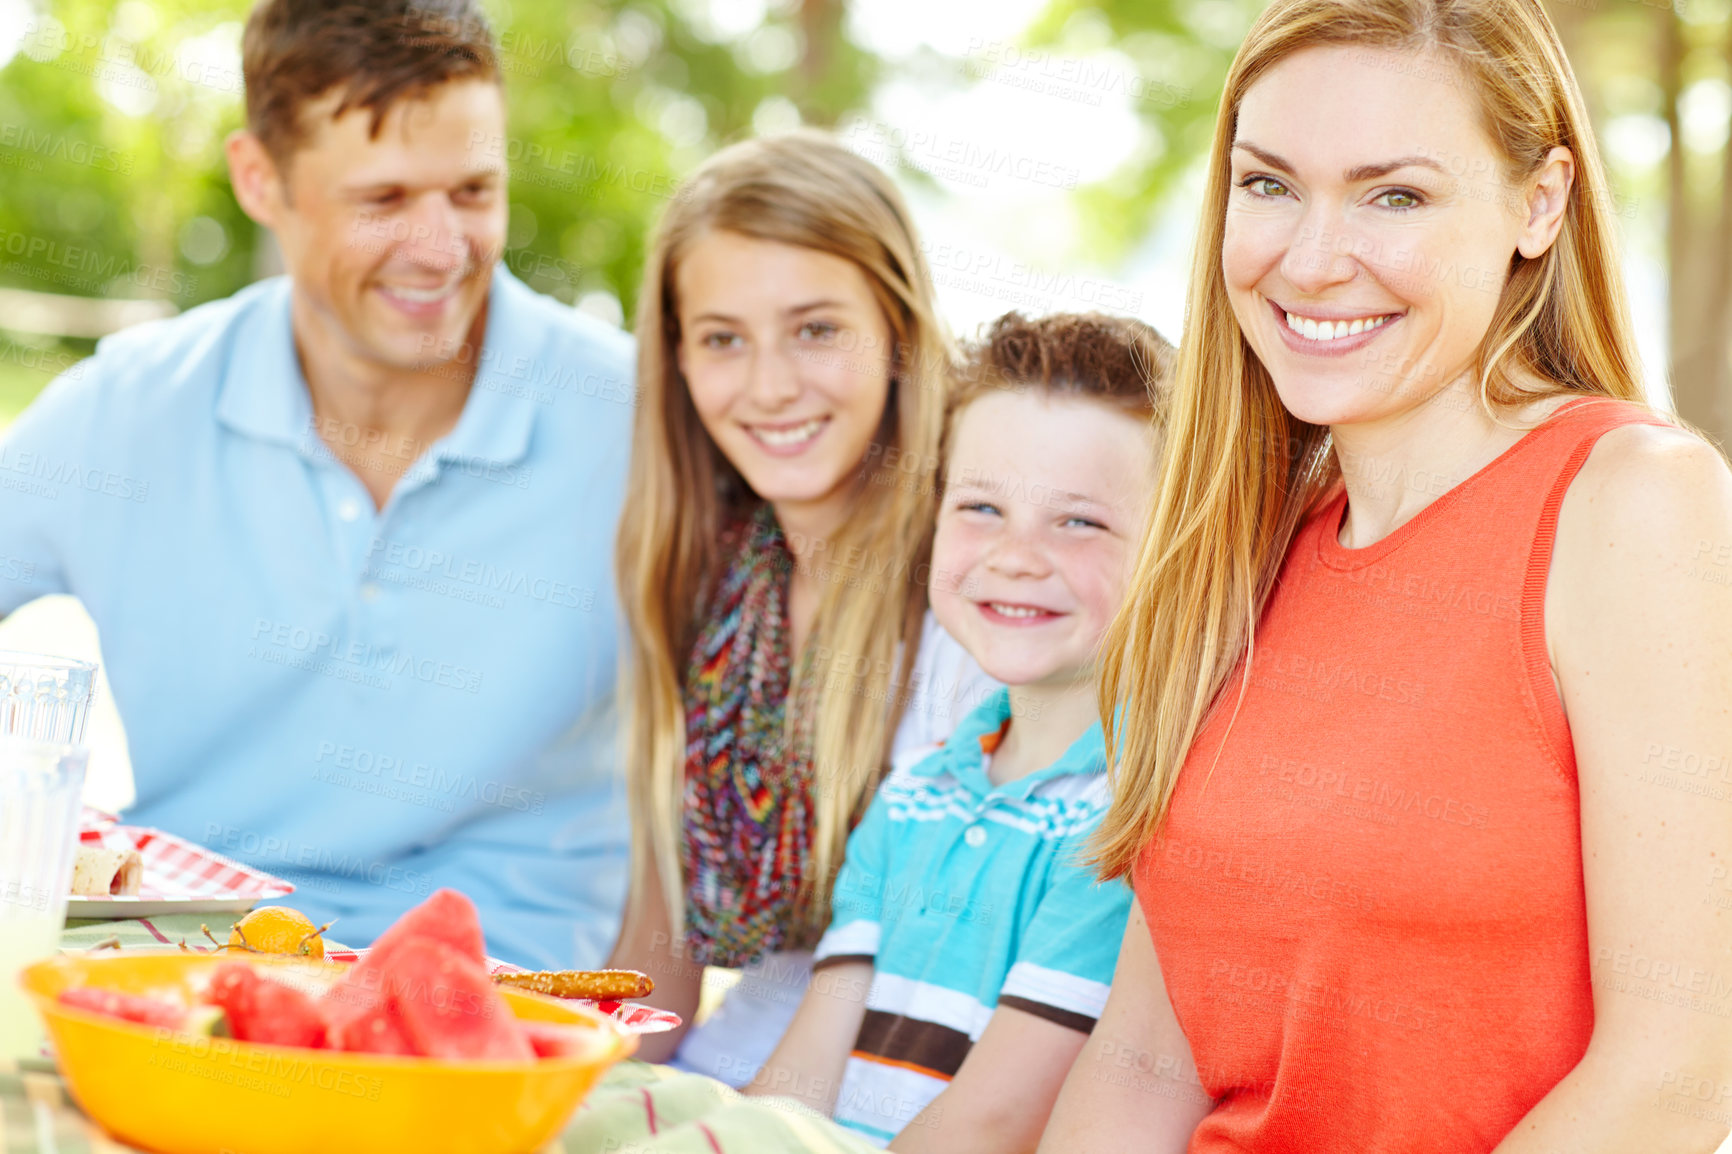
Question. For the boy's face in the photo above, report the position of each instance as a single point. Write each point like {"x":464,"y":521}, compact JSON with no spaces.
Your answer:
{"x":1043,"y":507}
{"x":391,"y":240}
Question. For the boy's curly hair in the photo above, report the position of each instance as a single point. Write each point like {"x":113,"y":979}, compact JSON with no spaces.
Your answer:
{"x":1119,"y":360}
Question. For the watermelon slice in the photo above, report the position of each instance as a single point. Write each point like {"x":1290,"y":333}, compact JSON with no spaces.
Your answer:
{"x":377,"y":1031}
{"x":360,"y":994}
{"x":357,"y":1007}
{"x":128,"y":1007}
{"x":553,"y":1040}
{"x":447,"y":916}
{"x":449,"y":1007}
{"x":360,"y":1016}
{"x":261,"y":1010}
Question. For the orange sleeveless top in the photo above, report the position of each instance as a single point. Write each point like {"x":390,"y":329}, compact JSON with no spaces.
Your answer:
{"x":1369,"y":908}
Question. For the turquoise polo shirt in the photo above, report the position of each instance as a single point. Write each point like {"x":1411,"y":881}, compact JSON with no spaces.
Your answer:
{"x":967,"y":896}
{"x":370,"y":704}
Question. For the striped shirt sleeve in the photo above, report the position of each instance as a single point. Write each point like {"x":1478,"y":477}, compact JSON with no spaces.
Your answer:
{"x":856,"y":905}
{"x":1065,"y":966}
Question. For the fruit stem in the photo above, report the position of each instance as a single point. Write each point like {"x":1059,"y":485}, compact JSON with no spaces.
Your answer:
{"x":302,"y":947}
{"x":235,"y":929}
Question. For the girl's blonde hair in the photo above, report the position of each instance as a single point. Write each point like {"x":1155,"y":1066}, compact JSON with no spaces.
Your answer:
{"x":1240,"y":472}
{"x":802,"y":189}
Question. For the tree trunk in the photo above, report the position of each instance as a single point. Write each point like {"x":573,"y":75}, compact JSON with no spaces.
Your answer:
{"x":1697,"y":229}
{"x":1720,"y":297}
{"x":820,"y":25}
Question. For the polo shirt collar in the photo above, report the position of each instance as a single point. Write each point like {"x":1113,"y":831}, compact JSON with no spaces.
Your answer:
{"x":264,"y":395}
{"x":963,"y":753}
{"x":500,"y":412}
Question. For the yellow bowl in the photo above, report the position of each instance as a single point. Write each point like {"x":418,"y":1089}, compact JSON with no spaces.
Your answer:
{"x":180,"y":1094}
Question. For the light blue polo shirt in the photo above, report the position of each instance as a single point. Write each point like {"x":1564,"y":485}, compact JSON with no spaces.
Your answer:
{"x":967,"y":896}
{"x":371,"y":704}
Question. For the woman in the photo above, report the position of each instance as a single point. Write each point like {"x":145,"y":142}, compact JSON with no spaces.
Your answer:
{"x":772,"y":562}
{"x":1412,"y":873}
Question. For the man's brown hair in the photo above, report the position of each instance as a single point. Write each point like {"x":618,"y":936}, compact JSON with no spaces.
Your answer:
{"x":376,"y":53}
{"x":1118,"y":360}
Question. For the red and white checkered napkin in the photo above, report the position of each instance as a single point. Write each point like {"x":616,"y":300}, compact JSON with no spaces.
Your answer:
{"x":638,"y":1019}
{"x":174,"y":868}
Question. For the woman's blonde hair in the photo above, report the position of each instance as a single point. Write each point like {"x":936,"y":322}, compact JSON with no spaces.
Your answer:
{"x":802,"y":189}
{"x":1240,"y":472}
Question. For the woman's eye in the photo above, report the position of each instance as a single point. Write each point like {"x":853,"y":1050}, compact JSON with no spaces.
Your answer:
{"x":977,"y":507}
{"x":1264,"y":186}
{"x":719,"y":341}
{"x":1084,"y":522}
{"x":1400,"y":198}
{"x":817,"y":331}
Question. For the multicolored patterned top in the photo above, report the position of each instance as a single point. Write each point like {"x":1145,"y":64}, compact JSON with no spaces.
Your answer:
{"x":748,"y":800}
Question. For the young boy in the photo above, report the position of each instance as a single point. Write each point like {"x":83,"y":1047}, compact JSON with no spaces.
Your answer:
{"x":970,"y":950}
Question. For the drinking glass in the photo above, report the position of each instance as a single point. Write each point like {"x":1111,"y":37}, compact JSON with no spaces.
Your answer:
{"x":45,"y":698}
{"x":40,"y":783}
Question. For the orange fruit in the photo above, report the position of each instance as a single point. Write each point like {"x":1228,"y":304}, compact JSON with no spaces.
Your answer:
{"x":278,"y":930}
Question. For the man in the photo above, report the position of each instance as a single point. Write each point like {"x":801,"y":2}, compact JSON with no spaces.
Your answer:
{"x":347,"y":535}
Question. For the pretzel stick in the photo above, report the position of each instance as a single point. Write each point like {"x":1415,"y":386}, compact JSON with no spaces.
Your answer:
{"x":597,"y":985}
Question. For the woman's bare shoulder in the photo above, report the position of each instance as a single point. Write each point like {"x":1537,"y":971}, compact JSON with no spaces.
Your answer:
{"x":1643,"y":470}
{"x":1651,"y":504}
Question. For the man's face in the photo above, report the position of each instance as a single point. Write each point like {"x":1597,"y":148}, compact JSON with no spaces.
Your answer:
{"x":391,"y":241}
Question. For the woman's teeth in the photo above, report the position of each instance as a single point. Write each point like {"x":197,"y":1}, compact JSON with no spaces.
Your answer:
{"x":790,"y":435}
{"x":1015,"y":610}
{"x":1334,"y":330}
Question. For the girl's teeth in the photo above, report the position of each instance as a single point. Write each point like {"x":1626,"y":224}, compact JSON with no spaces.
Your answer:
{"x":1313,"y":330}
{"x":784,"y":437}
{"x":1014,"y":610}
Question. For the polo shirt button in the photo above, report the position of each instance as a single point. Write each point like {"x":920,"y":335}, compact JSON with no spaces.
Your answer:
{"x":370,"y":592}
{"x":349,"y":509}
{"x":975,"y":837}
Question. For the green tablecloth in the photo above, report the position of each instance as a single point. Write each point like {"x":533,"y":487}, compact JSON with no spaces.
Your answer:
{"x":639,"y":1108}
{"x":81,"y":934}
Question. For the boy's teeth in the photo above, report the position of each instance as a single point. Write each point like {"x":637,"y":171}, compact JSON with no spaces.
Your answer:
{"x":1313,"y":330}
{"x":791,"y":436}
{"x":1014,"y":610}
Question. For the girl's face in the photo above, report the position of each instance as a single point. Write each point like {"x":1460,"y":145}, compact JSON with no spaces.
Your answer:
{"x":788,"y":359}
{"x":1370,"y":228}
{"x":1044,"y":500}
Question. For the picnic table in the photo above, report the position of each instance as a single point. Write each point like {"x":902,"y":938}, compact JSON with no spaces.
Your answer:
{"x":639,"y":1107}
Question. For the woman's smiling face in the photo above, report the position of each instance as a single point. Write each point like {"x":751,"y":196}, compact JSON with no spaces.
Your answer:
{"x":1369,"y":231}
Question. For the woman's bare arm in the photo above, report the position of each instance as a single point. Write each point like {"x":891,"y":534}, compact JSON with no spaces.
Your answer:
{"x":1639,"y":623}
{"x":647,"y":942}
{"x":1134,"y":1088}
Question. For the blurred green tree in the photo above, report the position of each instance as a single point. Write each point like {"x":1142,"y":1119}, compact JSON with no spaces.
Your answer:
{"x":1657,"y":77}
{"x":1179,"y":52}
{"x":112,"y":119}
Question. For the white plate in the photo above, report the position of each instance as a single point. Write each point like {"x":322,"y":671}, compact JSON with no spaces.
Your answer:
{"x":117,"y":906}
